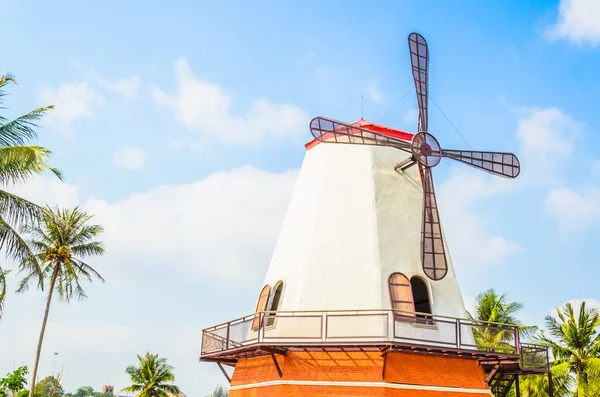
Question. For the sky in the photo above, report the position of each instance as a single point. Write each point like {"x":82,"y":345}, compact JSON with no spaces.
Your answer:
{"x":181,"y":127}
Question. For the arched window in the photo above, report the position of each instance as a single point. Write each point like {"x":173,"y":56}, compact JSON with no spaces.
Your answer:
{"x":401,"y":296}
{"x":275,"y":303}
{"x":261,"y":306}
{"x":421,"y":298}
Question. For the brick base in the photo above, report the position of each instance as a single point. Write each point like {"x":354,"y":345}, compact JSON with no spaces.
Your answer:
{"x":329,"y":374}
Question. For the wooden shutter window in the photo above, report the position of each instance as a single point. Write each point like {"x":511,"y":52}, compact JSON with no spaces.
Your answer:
{"x":261,"y":306}
{"x":401,"y":296}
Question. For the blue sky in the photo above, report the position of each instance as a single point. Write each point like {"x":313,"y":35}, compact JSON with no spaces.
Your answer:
{"x":182,"y":127}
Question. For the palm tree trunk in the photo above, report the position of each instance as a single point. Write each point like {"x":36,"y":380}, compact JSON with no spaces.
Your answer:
{"x":41,"y":339}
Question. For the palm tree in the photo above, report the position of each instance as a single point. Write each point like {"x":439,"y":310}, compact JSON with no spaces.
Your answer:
{"x":58,"y":244}
{"x":575,"y":345}
{"x":18,"y":163}
{"x":537,"y":385}
{"x":220,"y":391}
{"x":494,"y":308}
{"x":152,"y":378}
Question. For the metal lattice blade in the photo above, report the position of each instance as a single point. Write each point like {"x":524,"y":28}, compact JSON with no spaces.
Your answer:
{"x":419,"y":58}
{"x":333,"y":131}
{"x":501,"y":164}
{"x":433,"y":252}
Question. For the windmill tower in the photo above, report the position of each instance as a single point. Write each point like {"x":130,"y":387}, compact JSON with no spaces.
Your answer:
{"x":361,"y":297}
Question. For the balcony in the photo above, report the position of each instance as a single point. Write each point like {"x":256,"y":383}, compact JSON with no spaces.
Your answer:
{"x":266,"y":333}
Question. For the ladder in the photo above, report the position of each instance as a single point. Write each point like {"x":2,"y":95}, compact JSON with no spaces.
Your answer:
{"x":500,"y":382}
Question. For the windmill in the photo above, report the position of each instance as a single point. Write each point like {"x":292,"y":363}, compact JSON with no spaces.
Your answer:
{"x":426,"y":153}
{"x":360,"y":297}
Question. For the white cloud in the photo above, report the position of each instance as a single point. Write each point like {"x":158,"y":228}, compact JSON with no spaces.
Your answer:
{"x":230,"y":218}
{"x":127,"y":86}
{"x":547,"y":138}
{"x":72,"y":102}
{"x":204,"y":107}
{"x":547,"y":131}
{"x":590,"y":303}
{"x":577,"y":22}
{"x":470,"y":242}
{"x":411,"y":117}
{"x":574,"y":210}
{"x":183,"y":245}
{"x":375,"y":91}
{"x":130,"y":158}
{"x":49,"y":191}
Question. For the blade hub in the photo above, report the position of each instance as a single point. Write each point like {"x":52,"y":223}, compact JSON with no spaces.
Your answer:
{"x":426,"y":149}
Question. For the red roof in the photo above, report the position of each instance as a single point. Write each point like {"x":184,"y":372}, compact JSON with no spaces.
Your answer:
{"x":369,"y":125}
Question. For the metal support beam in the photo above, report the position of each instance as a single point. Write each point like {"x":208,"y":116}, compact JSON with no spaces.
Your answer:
{"x":219,"y":360}
{"x":224,"y":372}
{"x":406,"y":164}
{"x":517,"y":388}
{"x":491,"y":374}
{"x":550,"y":385}
{"x":273,"y":350}
{"x":276,"y":364}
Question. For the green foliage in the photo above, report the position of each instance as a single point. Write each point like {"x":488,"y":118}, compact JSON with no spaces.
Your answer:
{"x":49,"y":387}
{"x":18,"y":163}
{"x":25,"y":393}
{"x":220,"y":391}
{"x":537,"y":385}
{"x":575,"y":344}
{"x":491,"y":307}
{"x":84,"y":391}
{"x":14,"y":381}
{"x":153,"y":377}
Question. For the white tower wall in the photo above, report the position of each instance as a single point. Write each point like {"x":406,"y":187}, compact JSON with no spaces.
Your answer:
{"x":351,"y":222}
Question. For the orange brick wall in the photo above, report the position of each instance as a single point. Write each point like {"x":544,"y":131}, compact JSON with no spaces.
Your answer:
{"x":356,"y":367}
{"x":434,"y":371}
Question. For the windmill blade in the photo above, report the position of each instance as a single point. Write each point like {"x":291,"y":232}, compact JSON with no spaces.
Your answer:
{"x":419,"y":58}
{"x":333,"y":131}
{"x":497,"y":163}
{"x":433,"y":252}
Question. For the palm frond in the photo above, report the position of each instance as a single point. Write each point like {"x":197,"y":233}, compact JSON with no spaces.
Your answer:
{"x":95,"y":248}
{"x":5,"y":80}
{"x":3,"y":274}
{"x":21,"y":130}
{"x":86,"y":270}
{"x":19,"y":163}
{"x":16,"y":247}
{"x":17,"y":210}
{"x":593,"y":367}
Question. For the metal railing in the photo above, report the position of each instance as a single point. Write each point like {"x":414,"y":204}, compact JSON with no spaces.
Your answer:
{"x":534,"y":356}
{"x":365,"y":327}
